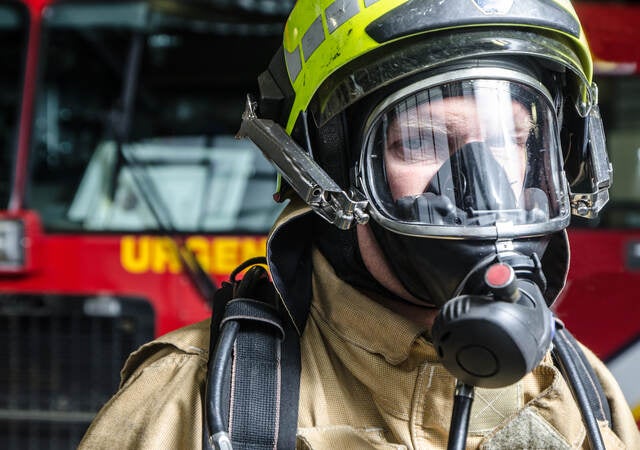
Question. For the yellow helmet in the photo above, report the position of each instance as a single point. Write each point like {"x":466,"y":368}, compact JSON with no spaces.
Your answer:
{"x":331,"y":48}
{"x":334,"y":53}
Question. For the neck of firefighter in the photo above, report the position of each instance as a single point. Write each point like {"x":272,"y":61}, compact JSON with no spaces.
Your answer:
{"x":376,"y":263}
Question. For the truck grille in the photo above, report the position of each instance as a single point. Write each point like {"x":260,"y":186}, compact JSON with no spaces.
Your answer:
{"x":62,"y":357}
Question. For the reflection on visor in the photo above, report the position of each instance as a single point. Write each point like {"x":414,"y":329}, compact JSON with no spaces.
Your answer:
{"x":466,"y":153}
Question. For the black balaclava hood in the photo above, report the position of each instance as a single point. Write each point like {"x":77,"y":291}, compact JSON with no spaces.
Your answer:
{"x":341,"y":249}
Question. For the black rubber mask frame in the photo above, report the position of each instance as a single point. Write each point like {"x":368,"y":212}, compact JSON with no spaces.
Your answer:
{"x":435,"y":270}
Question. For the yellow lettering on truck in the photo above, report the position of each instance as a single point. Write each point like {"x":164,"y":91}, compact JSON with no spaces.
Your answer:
{"x":218,"y":255}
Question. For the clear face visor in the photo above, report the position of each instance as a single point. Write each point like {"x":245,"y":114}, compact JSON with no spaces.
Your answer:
{"x":473,"y":157}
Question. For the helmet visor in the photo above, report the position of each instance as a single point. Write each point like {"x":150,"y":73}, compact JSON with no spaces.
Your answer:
{"x":474,"y":157}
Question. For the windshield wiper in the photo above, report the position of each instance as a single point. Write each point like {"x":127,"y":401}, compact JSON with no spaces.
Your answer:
{"x":121,"y":121}
{"x":160,"y":212}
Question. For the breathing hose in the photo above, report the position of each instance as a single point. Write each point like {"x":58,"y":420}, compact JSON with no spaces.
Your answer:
{"x":570,"y":371}
{"x":460,"y":416}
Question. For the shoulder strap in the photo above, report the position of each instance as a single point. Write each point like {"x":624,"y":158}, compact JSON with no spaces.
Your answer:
{"x":254,"y":367}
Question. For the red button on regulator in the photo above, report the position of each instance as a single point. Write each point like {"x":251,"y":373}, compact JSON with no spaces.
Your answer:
{"x":499,"y":275}
{"x":501,"y":278}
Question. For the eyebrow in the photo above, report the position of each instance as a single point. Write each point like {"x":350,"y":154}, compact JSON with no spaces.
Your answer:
{"x":420,"y":127}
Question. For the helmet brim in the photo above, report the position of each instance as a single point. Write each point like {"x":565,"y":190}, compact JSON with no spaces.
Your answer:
{"x":388,"y":65}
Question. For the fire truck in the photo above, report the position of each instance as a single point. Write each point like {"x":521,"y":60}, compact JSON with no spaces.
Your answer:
{"x":125,"y":198}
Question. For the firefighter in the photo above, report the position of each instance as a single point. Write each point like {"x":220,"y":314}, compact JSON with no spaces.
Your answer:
{"x":452,"y":135}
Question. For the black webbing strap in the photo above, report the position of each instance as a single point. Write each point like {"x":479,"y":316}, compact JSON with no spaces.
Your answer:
{"x":253,"y":382}
{"x":255,"y":375}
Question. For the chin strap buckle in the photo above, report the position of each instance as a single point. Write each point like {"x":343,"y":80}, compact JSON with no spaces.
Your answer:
{"x":304,"y":175}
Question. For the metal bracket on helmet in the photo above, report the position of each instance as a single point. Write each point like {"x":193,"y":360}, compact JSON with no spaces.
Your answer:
{"x":588,"y":205}
{"x":304,"y":175}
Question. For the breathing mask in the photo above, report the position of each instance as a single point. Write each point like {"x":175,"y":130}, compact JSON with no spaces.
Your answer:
{"x":452,"y":166}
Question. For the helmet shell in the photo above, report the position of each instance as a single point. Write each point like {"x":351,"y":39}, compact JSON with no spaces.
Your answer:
{"x":325,"y":40}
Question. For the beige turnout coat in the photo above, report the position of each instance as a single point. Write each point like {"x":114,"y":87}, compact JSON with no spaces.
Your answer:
{"x":370,"y":380}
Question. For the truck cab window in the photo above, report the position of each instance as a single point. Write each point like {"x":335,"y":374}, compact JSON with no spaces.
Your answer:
{"x":13,"y":41}
{"x":136,"y":117}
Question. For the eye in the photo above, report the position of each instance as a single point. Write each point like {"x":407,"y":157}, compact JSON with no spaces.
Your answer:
{"x":507,"y":141}
{"x":417,"y":145}
{"x":414,"y":143}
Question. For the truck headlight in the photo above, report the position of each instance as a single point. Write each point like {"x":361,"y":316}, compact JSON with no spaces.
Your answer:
{"x":12,"y":248}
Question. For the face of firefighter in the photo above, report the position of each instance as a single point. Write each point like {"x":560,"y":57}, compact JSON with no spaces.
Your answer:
{"x":419,"y":141}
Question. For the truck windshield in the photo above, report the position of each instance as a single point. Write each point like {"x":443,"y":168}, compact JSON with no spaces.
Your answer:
{"x":136,"y":114}
{"x":12,"y":51}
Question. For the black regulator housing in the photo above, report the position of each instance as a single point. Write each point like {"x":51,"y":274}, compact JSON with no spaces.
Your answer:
{"x":494,"y":340}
